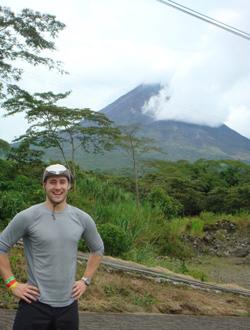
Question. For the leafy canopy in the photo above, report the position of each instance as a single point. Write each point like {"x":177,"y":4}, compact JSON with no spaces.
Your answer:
{"x":23,"y":37}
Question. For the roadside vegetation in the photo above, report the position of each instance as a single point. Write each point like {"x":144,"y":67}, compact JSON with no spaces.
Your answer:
{"x":113,"y":291}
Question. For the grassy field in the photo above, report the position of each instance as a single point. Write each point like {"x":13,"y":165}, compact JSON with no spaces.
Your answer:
{"x":114,"y":291}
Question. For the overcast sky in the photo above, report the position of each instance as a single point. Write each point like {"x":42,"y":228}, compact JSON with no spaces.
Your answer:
{"x":111,"y":46}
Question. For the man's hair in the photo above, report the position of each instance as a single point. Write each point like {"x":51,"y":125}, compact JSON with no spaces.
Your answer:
{"x":57,"y":170}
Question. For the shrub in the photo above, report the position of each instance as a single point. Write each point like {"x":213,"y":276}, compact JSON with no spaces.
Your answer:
{"x":115,"y":239}
{"x":11,"y":202}
{"x":175,"y":247}
{"x":168,"y":205}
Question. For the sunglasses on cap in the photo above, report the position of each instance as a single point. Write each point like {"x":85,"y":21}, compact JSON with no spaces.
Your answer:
{"x":58,"y":170}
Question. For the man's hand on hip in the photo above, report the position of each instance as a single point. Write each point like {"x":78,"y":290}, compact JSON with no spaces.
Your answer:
{"x":79,"y":288}
{"x":26,"y":292}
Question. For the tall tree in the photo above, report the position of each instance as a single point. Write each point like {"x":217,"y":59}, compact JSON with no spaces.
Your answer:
{"x":61,"y":127}
{"x":23,"y":37}
{"x":23,"y":155}
{"x":136,"y":145}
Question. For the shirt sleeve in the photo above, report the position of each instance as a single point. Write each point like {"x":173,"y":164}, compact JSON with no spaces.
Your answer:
{"x":92,"y":237}
{"x":12,"y":233}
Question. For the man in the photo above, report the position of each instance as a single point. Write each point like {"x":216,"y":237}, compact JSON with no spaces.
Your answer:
{"x":51,"y":232}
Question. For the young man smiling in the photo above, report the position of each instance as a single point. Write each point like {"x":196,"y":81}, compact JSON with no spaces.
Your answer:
{"x":51,"y":232}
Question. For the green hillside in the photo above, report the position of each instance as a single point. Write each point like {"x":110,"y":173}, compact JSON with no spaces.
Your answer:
{"x":176,"y":199}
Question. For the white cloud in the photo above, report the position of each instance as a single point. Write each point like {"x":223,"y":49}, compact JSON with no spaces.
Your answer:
{"x":211,"y":85}
{"x":239,"y":119}
{"x":111,"y":46}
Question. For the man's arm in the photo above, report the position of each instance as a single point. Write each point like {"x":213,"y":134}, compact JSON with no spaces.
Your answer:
{"x":80,"y":287}
{"x":92,"y":265}
{"x":23,"y":291}
{"x":8,"y":237}
{"x":96,"y":247}
{"x":5,"y":268}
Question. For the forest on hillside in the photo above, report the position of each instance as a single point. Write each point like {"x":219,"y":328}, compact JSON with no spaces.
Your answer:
{"x":171,"y":194}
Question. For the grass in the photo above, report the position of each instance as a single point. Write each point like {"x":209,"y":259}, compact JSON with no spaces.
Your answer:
{"x":222,"y":269}
{"x":147,"y":257}
{"x":114,"y":291}
{"x":196,"y":227}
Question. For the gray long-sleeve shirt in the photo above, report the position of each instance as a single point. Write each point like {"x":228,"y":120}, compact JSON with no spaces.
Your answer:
{"x":50,"y":246}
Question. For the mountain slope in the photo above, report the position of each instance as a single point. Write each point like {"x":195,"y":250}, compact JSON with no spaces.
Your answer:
{"x":190,"y":141}
{"x":127,"y":109}
{"x":178,"y":139}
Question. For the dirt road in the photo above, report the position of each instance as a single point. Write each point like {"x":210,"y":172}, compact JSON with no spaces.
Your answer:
{"x":110,"y":321}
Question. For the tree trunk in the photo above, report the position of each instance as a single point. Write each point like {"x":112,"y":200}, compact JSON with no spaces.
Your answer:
{"x":137,"y":193}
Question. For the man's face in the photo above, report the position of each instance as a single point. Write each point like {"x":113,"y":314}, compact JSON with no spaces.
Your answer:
{"x":56,"y":188}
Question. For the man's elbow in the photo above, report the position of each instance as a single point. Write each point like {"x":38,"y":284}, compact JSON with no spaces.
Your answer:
{"x":4,"y":248}
{"x":98,"y":252}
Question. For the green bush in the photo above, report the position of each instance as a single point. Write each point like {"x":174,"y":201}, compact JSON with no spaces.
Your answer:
{"x":11,"y":202}
{"x":178,"y":249}
{"x":115,"y":239}
{"x":168,"y":205}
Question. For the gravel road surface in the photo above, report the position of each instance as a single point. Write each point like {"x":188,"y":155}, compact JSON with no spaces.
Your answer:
{"x":110,"y":321}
